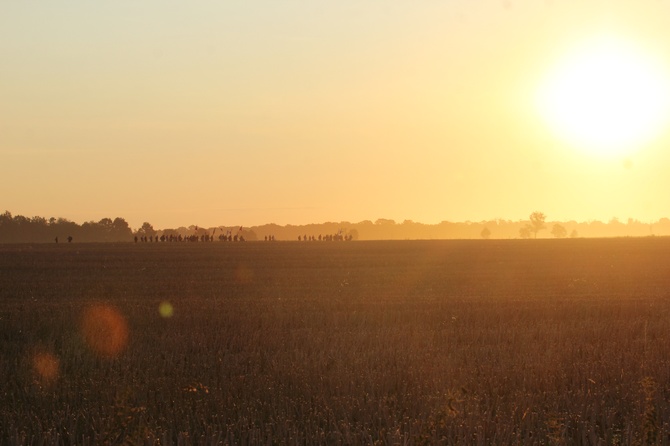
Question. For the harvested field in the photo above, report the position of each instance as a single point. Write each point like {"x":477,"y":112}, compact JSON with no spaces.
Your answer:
{"x":403,"y":342}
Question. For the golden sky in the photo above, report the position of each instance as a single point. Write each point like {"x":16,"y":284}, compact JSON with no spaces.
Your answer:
{"x":249,"y":112}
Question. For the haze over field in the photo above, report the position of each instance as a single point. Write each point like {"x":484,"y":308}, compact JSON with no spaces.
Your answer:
{"x":245,"y":113}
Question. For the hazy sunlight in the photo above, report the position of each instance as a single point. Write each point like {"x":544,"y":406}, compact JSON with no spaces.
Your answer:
{"x":235,"y":114}
{"x":606,"y":98}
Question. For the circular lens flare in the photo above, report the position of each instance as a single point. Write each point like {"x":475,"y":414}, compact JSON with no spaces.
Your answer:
{"x":46,"y":366}
{"x":165,"y":309}
{"x":105,"y":330}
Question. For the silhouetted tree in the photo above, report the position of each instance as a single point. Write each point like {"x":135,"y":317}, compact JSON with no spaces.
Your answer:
{"x":486,"y":233}
{"x":146,"y":230}
{"x":525,"y":231}
{"x":120,"y":230}
{"x":559,"y":231}
{"x":89,"y":229}
{"x":65,"y":226}
{"x":537,"y":222}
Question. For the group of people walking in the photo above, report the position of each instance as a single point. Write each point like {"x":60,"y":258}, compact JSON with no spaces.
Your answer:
{"x":328,"y":238}
{"x":189,"y":238}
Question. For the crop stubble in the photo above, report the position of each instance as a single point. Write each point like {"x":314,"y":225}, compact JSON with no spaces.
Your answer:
{"x":416,"y":342}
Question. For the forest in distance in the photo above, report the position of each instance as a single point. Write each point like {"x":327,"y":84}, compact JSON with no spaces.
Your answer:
{"x":22,"y":229}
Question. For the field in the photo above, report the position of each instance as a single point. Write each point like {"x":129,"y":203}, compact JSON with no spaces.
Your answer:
{"x":404,"y":342}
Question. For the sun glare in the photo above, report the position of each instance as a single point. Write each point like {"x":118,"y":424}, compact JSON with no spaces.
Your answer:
{"x":606,"y":98}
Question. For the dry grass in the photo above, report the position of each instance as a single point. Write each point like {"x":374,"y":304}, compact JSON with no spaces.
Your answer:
{"x":461,"y":342}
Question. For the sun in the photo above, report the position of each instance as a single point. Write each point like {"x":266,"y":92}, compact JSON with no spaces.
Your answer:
{"x":607,"y":97}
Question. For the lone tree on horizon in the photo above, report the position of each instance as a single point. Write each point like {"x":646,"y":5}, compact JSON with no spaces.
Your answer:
{"x":537,"y":222}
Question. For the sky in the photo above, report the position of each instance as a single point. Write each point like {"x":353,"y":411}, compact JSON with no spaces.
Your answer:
{"x":219,"y":112}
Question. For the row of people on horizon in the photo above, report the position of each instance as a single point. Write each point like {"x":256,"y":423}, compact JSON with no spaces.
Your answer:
{"x":327,"y":238}
{"x":189,"y":238}
{"x":225,"y":238}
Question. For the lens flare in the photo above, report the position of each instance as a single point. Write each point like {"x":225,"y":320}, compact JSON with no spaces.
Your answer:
{"x":46,"y":366}
{"x":165,"y":309}
{"x":105,"y":330}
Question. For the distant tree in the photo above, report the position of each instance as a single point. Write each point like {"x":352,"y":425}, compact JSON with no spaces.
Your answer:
{"x":7,"y":228}
{"x":38,"y":230}
{"x":559,"y":231}
{"x":65,"y":226}
{"x":40,"y":221}
{"x":147,"y":230}
{"x":663,"y":225}
{"x":486,"y":233}
{"x":92,"y":231}
{"x":574,"y":234}
{"x":249,"y":235}
{"x":353,"y":233}
{"x":121,"y":230}
{"x":525,"y":231}
{"x":22,"y":221}
{"x":383,"y":229}
{"x":537,"y":222}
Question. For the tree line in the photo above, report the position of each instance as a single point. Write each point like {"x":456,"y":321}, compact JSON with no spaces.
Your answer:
{"x":21,"y":229}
